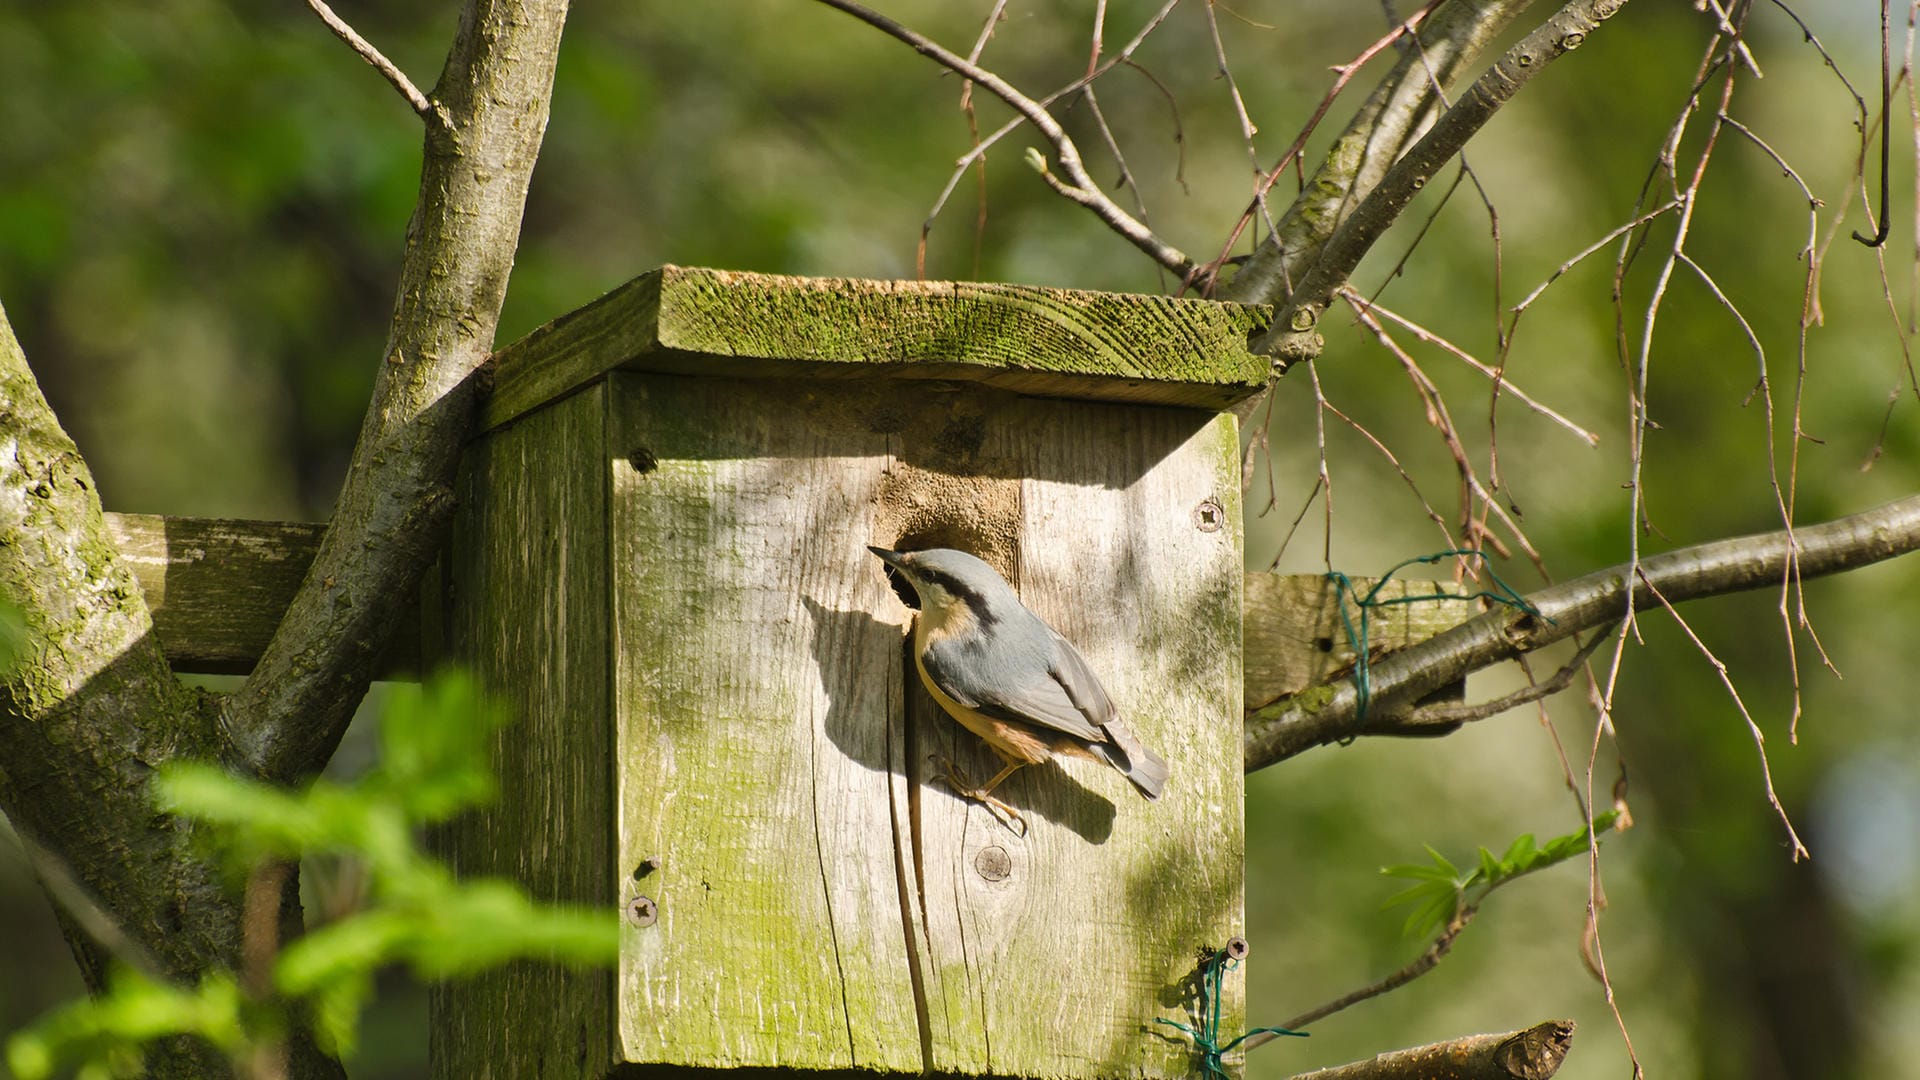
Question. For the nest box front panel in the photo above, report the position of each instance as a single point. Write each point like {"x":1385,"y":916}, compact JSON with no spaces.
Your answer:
{"x":815,"y":898}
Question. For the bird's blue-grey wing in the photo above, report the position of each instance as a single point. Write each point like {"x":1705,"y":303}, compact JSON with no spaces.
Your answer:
{"x":1025,"y":688}
{"x":1123,"y":750}
{"x":1078,"y":681}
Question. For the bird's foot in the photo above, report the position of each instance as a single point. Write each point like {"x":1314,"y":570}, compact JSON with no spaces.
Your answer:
{"x":956,"y":778}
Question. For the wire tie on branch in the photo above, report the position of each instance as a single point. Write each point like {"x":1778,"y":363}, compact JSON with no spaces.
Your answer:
{"x":1357,"y":637}
{"x":1206,"y":1036}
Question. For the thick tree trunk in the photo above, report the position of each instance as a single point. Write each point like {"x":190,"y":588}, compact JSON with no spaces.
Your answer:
{"x":88,"y":715}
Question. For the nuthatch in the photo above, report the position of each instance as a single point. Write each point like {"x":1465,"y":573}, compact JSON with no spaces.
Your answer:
{"x":1010,"y":678}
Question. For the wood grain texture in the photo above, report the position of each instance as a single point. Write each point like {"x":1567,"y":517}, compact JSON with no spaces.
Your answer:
{"x":1295,"y":638}
{"x":823,"y":904}
{"x":1028,"y":339}
{"x":526,"y":582}
{"x":218,"y":587}
{"x":752,"y":731}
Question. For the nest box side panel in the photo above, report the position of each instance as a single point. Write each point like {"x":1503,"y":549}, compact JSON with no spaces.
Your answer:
{"x":526,"y":601}
{"x":756,"y":759}
{"x":1051,"y":954}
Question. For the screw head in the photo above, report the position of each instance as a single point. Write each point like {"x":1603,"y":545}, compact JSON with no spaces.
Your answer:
{"x":1209,"y":516}
{"x":642,"y":911}
{"x":1237,"y":948}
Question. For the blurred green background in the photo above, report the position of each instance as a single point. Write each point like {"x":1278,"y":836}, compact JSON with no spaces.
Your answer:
{"x":201,"y":213}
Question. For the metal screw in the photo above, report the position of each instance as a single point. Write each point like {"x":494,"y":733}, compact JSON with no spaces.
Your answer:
{"x":993,"y":863}
{"x":1208,"y":516}
{"x":1237,"y":948}
{"x":642,"y":911}
{"x":642,"y":460}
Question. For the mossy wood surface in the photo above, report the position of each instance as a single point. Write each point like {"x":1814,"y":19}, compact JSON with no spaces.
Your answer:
{"x":823,"y":903}
{"x":218,"y":588}
{"x":1295,"y":637}
{"x":1033,"y":340}
{"x":525,"y":587}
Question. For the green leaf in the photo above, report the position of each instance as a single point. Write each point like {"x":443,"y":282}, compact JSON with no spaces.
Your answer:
{"x":1429,"y":916}
{"x":1490,"y":867}
{"x":102,"y":1035}
{"x":351,"y":947}
{"x":1440,"y":861}
{"x":437,"y":746}
{"x":437,"y":749}
{"x":335,"y":1010}
{"x":1420,"y":872}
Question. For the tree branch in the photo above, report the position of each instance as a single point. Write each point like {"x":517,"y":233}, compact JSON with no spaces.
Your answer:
{"x":1328,"y":714}
{"x":1533,"y":1054}
{"x":387,"y":68}
{"x":1078,"y":185}
{"x":1451,"y":38}
{"x":393,"y":509}
{"x":1293,"y":337}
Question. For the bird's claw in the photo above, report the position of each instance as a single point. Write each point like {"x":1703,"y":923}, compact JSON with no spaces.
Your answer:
{"x":956,"y":778}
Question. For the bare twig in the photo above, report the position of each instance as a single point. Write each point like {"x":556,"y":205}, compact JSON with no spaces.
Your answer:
{"x":1077,"y":186}
{"x":1759,"y":737}
{"x":387,"y":68}
{"x":1431,"y":338}
{"x":982,"y":145}
{"x":79,"y":904}
{"x":259,"y":947}
{"x":1886,"y":119}
{"x":973,"y":132}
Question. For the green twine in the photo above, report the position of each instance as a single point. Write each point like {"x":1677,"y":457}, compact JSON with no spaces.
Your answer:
{"x":1358,"y":641}
{"x":1206,"y":1037}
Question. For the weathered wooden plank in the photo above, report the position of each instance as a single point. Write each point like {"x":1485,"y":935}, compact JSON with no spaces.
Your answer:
{"x":753,"y":728}
{"x":1032,"y":340}
{"x":218,"y":587}
{"x":526,"y":584}
{"x":1295,"y":638}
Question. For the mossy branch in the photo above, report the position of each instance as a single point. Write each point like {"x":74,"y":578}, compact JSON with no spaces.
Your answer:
{"x":1330,"y":713}
{"x":1453,"y":37}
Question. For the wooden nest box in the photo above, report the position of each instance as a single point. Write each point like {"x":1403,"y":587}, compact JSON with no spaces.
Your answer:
{"x":660,"y":558}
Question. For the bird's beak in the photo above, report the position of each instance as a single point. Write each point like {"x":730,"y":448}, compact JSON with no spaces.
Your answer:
{"x":892,"y":558}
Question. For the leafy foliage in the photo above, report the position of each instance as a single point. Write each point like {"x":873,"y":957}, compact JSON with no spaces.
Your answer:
{"x":435,"y":763}
{"x":1441,"y":891}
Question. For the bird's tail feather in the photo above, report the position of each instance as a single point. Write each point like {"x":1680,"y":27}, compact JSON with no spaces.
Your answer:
{"x":1123,"y":751}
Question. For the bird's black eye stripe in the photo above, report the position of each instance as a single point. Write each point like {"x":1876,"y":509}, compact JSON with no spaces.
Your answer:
{"x":974,"y":599}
